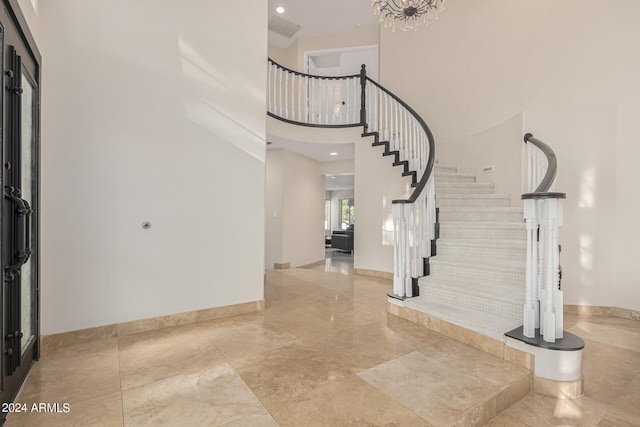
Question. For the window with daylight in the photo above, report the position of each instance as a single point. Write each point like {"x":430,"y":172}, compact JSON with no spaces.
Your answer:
{"x":327,"y":214}
{"x":346,"y":213}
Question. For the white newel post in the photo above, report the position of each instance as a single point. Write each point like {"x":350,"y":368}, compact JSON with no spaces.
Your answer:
{"x":543,"y":213}
{"x":549,"y":332}
{"x":531,"y":278}
{"x":401,"y":265}
{"x":406,"y":249}
{"x":417,"y":266}
{"x":558,"y":297}
{"x":551,"y":324}
{"x":398,"y":268}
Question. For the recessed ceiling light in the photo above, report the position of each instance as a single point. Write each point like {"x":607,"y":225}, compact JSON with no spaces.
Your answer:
{"x":333,"y":154}
{"x":332,"y":177}
{"x":280,"y":9}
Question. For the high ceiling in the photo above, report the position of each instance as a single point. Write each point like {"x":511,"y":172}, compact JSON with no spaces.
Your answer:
{"x":318,"y":18}
{"x":322,"y":17}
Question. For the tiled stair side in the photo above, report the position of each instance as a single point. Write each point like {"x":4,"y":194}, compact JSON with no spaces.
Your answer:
{"x":482,"y":249}
{"x":488,"y":324}
{"x":448,"y":177}
{"x":445,"y":168}
{"x":499,"y":272}
{"x":483,"y":230}
{"x":470,"y":200}
{"x":501,"y":300}
{"x":463,"y":188}
{"x":492,"y":214}
{"x":477,"y":276}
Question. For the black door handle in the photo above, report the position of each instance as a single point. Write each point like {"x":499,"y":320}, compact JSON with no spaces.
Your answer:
{"x":23,"y":227}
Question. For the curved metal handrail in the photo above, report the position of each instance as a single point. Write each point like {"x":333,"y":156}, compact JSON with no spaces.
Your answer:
{"x":542,"y":192}
{"x":422,"y":182}
{"x":430,"y":161}
{"x":314,"y":77}
{"x":297,"y":73}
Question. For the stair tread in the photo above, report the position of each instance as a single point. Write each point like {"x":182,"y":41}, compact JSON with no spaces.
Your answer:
{"x":483,"y":196}
{"x":503,"y":292}
{"x":481,"y":209}
{"x":483,"y":224}
{"x":489,"y":324}
{"x":452,"y":174}
{"x":464,"y":184}
{"x":484,"y":262}
{"x":480,"y":242}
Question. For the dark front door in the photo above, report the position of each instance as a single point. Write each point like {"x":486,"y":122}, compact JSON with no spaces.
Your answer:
{"x":19,"y":214}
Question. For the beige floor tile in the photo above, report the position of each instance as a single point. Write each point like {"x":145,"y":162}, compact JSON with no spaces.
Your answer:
{"x":284,"y":373}
{"x":212,"y":397}
{"x":349,"y":402}
{"x":155,"y":355}
{"x":105,"y":411}
{"x":247,"y":340}
{"x":410,"y":333}
{"x":259,"y":419}
{"x":427,"y":386}
{"x":536,"y":410}
{"x":627,"y":406}
{"x":593,"y":330}
{"x":72,"y":376}
{"x":300,"y":356}
{"x":607,"y":371}
{"x":611,"y":421}
{"x":472,"y":362}
{"x":362,"y":347}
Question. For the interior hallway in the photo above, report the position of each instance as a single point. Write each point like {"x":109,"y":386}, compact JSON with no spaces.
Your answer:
{"x":324,"y":352}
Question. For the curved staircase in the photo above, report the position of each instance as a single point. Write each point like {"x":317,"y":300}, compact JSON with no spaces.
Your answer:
{"x":477,"y":277}
{"x":462,"y":253}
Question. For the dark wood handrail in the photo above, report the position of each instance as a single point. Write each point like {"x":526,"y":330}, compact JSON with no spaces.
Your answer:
{"x":542,"y":192}
{"x":297,"y":73}
{"x":430,"y":161}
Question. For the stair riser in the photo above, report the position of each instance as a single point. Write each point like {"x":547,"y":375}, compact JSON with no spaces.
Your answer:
{"x":477,"y":301}
{"x":475,"y":252}
{"x":498,"y":276}
{"x":446,"y":169}
{"x":451,"y":230}
{"x":454,"y":179}
{"x":481,"y":216}
{"x":463,"y":189}
{"x":472,"y":202}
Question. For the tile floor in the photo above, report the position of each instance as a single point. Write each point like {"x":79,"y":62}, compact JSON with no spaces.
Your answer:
{"x":323,"y":353}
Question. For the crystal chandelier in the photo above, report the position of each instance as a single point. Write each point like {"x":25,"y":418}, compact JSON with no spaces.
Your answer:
{"x":407,"y":14}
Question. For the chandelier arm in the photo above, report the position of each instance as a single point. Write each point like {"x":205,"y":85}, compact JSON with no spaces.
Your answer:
{"x":406,"y":14}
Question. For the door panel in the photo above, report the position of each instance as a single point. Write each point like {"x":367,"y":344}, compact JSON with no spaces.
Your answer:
{"x":19,"y":242}
{"x":27,"y":183}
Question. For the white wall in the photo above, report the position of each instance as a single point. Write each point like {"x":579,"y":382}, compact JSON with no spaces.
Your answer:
{"x":149,"y":113}
{"x":274,"y":187}
{"x":337,"y":167}
{"x":295,"y":194}
{"x":489,"y":61}
{"x":303,"y":210}
{"x":377,"y":184}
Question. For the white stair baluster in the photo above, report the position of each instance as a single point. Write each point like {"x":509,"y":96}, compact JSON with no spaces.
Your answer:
{"x":529,"y":310}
